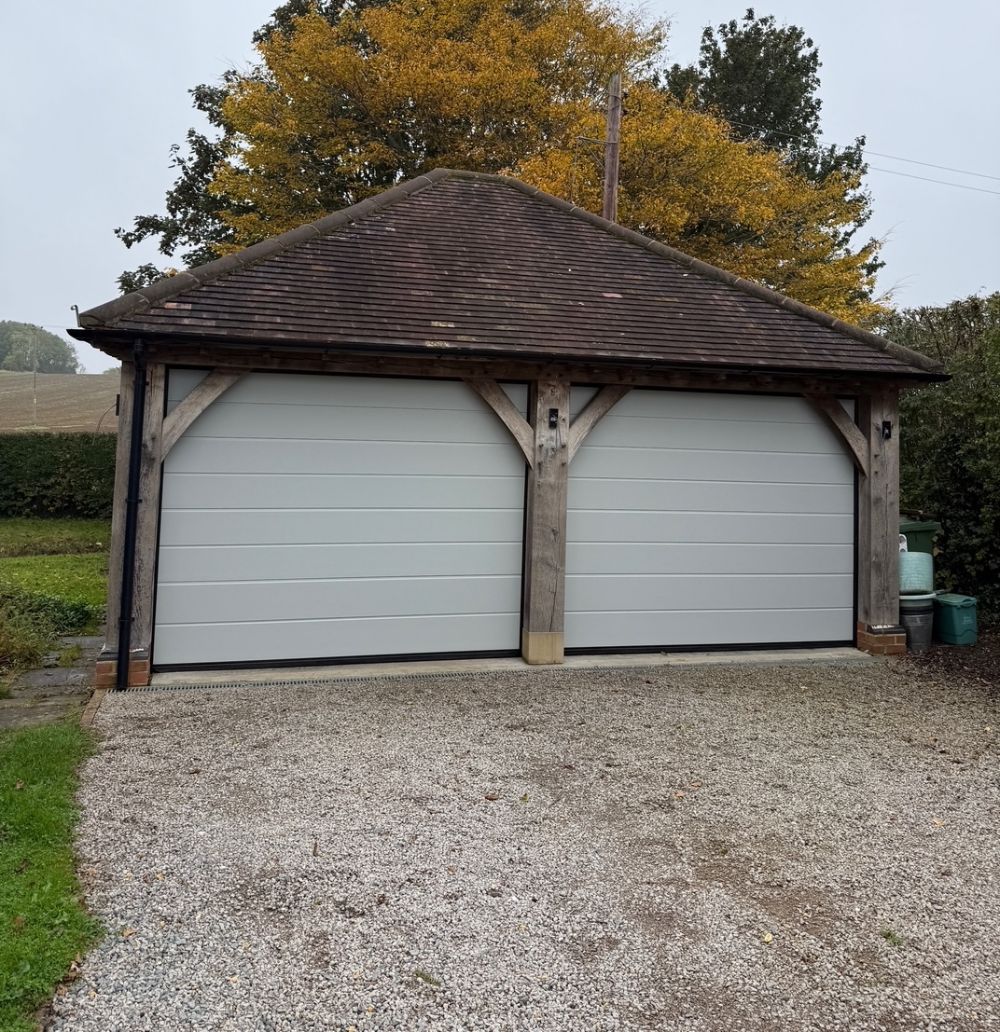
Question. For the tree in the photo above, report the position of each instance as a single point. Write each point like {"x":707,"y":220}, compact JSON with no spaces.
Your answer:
{"x":950,"y":440}
{"x":191,"y":226}
{"x":685,"y":181}
{"x":338,"y":112}
{"x":25,"y":347}
{"x":347,"y":101}
{"x":763,"y":79}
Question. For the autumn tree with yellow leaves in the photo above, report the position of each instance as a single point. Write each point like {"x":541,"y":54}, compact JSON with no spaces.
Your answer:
{"x":346,"y":102}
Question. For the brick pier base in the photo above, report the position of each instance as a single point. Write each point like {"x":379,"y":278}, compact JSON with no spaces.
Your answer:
{"x":882,"y":641}
{"x":106,"y":674}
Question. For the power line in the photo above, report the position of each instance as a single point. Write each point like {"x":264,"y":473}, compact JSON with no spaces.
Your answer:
{"x":940,"y":182}
{"x":891,"y":157}
{"x":928,"y":164}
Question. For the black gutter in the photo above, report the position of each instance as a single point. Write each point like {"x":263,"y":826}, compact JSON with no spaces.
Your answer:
{"x":131,"y":515}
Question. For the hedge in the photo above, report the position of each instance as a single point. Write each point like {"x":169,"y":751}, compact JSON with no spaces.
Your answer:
{"x":63,"y":474}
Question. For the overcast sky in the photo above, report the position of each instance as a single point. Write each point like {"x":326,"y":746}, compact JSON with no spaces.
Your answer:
{"x":94,"y":94}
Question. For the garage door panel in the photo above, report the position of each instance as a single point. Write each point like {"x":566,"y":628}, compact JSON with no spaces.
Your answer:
{"x":309,"y":491}
{"x":711,"y":558}
{"x":700,"y":405}
{"x":356,"y":526}
{"x":259,"y":601}
{"x":316,"y":517}
{"x":705,"y":496}
{"x":210,"y":564}
{"x":229,"y":418}
{"x":318,"y":639}
{"x":734,"y":466}
{"x":710,"y":434}
{"x":338,"y":391}
{"x":407,"y":458}
{"x":714,"y":628}
{"x":678,"y":593}
{"x":701,"y":519}
{"x":705,"y":527}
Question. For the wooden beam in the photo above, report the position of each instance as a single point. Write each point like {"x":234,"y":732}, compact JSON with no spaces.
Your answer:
{"x":497,"y":399}
{"x":117,"y":544}
{"x":544,"y":585}
{"x":878,"y":512}
{"x":438,"y":367}
{"x":596,"y":409}
{"x":147,"y":526}
{"x":853,"y":440}
{"x":209,"y":390}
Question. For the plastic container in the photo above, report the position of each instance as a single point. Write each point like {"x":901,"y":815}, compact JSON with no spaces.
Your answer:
{"x":920,"y":534}
{"x":916,"y":615}
{"x":916,"y":573}
{"x":955,"y":619}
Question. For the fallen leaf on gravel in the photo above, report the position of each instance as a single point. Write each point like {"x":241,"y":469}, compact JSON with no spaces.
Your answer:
{"x":937,"y":822}
{"x":767,"y":937}
{"x":492,"y":796}
{"x":127,"y":933}
{"x":524,"y":798}
{"x":233,"y":979}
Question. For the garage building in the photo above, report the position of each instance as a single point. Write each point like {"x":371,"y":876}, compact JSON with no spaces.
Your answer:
{"x":467,"y":418}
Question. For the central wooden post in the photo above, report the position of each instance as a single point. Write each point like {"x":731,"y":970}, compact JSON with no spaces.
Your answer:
{"x":878,"y":526}
{"x":545,"y":525}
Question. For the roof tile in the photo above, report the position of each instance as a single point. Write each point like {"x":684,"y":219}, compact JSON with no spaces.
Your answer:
{"x":484,"y":264}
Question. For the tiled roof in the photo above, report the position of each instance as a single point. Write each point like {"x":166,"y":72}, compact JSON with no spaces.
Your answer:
{"x":465,"y":263}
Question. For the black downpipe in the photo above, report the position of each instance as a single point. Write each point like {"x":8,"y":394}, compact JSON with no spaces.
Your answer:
{"x":131,"y":515}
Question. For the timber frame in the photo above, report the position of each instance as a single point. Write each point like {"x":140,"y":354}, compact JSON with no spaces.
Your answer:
{"x":548,"y":440}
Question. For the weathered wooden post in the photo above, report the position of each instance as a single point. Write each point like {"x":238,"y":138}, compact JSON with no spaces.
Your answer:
{"x":545,"y":524}
{"x":878,"y":526}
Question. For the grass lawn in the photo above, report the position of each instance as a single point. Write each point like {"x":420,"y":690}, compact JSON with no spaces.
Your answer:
{"x":43,"y":925}
{"x":52,"y":537}
{"x":76,"y":578}
{"x":42,"y":596}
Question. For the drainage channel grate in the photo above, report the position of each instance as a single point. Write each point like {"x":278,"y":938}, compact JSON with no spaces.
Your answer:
{"x":369,"y":679}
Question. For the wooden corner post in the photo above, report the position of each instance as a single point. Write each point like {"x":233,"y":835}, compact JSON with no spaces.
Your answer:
{"x":117,"y":544}
{"x":878,"y":525}
{"x":147,"y":525}
{"x":544,"y":599}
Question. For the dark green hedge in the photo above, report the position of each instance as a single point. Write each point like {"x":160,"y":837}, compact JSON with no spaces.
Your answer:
{"x":44,"y":474}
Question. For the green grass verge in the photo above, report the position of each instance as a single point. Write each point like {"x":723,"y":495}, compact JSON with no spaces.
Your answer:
{"x":52,"y":537}
{"x":42,"y":596}
{"x":70,"y":591}
{"x":43,"y":925}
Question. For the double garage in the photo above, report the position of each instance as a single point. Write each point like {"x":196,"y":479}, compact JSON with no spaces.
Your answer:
{"x":309,"y":518}
{"x":464,"y":417}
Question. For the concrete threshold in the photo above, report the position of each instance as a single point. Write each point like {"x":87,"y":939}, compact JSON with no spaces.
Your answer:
{"x":454,"y":667}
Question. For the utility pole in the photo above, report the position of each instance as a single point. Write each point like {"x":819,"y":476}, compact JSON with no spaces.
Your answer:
{"x":612,"y":148}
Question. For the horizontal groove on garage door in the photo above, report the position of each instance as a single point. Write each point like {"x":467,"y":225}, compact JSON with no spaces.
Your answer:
{"x":708,"y":520}
{"x":315,"y":516}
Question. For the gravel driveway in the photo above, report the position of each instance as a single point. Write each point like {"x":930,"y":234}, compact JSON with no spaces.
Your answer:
{"x":724,"y":848}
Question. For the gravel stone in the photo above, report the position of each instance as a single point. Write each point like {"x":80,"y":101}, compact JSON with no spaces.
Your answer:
{"x":698,"y":849}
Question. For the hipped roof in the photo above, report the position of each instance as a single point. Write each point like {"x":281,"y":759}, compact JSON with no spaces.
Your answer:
{"x":464,"y":263}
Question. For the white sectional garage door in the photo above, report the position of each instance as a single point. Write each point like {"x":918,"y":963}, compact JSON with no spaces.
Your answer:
{"x":307,"y":517}
{"x":709,"y":519}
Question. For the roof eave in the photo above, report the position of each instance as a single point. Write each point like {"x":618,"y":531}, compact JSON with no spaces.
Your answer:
{"x":114,"y":339}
